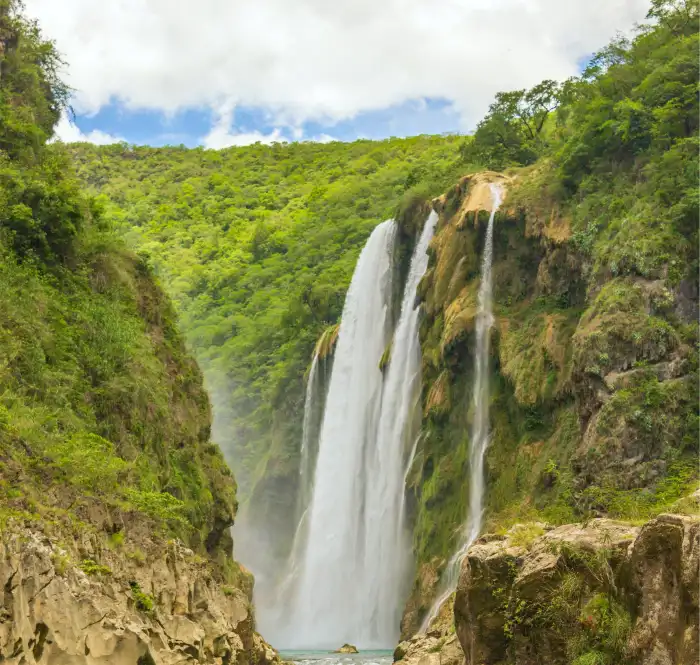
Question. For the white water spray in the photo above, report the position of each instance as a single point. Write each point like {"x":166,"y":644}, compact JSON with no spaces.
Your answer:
{"x":329,"y":605}
{"x":387,"y":545}
{"x":480,"y":424}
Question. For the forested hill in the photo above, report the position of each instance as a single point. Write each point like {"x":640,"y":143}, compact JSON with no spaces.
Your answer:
{"x":256,"y":246}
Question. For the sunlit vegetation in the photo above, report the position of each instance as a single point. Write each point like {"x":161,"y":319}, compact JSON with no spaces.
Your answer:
{"x":257,"y":246}
{"x":100,"y":406}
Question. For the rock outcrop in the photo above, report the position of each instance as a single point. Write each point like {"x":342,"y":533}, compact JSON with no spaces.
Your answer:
{"x":605,"y":591}
{"x":161,"y":606}
{"x":437,"y":646}
{"x":347,"y":648}
{"x":592,"y":377}
{"x":430,"y":649}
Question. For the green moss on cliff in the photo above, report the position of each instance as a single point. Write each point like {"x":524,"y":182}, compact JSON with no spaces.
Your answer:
{"x":103,"y":417}
{"x":99,"y":398}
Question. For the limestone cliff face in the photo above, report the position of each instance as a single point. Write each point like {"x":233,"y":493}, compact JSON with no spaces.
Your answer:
{"x":115,"y":506}
{"x":593,"y":379}
{"x":160,"y":605}
{"x":602,"y":592}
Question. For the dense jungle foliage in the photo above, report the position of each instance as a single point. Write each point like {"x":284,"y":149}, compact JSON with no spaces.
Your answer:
{"x":102,"y":412}
{"x":257,"y":246}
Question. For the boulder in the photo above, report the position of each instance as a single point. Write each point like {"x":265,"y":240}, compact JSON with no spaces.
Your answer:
{"x":605,"y":587}
{"x":347,"y":648}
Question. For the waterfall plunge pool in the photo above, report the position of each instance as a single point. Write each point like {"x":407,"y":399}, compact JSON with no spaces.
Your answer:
{"x":325,"y":658}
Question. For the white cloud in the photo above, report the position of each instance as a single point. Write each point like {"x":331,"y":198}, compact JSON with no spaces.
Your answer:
{"x":315,"y":59}
{"x":68,"y":132}
{"x":223,"y":136}
{"x":322,"y":138}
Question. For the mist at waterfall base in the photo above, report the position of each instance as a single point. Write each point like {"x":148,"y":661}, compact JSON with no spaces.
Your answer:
{"x":479,"y":438}
{"x":348,"y":573}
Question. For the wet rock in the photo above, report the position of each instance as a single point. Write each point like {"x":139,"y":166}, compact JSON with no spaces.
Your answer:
{"x":430,"y":649}
{"x":438,"y":646}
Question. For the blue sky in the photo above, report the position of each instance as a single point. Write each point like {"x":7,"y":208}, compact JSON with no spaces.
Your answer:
{"x":188,"y":126}
{"x":224,"y":73}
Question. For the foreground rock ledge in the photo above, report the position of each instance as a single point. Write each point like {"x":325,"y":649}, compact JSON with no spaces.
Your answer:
{"x":629,"y":592}
{"x":55,"y":612}
{"x":550,"y":595}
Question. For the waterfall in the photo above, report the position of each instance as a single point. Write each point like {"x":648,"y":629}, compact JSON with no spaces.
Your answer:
{"x":270,"y":612}
{"x":329,"y":604}
{"x":309,"y":438}
{"x":480,"y":425}
{"x":349,"y":584}
{"x":387,"y":544}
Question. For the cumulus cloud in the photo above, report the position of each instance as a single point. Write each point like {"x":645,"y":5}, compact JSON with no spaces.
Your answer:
{"x":320,"y":60}
{"x":222,"y":135}
{"x":68,"y":132}
{"x":322,"y":138}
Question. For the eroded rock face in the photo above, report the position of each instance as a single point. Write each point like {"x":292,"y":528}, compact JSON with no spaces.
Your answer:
{"x":430,"y":649}
{"x":627,"y":592}
{"x":664,"y":579}
{"x":165,"y":610}
{"x":438,"y":646}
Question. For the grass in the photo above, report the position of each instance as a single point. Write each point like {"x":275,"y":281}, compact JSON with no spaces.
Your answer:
{"x":524,"y":535}
{"x":92,"y":568}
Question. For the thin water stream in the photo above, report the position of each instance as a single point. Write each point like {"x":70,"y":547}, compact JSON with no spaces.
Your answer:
{"x":480,"y":425}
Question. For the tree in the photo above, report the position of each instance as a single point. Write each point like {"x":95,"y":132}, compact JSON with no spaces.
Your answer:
{"x":680,"y":16}
{"x":511,"y":132}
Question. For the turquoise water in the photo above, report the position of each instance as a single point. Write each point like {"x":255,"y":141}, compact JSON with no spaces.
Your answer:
{"x":325,"y":658}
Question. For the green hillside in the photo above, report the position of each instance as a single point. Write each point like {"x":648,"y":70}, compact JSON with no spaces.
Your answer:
{"x":256,"y":246}
{"x":102,"y":412}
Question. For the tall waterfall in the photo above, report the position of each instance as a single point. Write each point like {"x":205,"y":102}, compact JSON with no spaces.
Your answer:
{"x":329,"y":604}
{"x":350,"y":581}
{"x":387,"y":546}
{"x":480,"y":425}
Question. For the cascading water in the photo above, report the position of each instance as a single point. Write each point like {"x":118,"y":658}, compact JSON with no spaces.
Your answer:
{"x":349,"y":584}
{"x":271,"y":601}
{"x":387,"y":546}
{"x":480,"y":424}
{"x":309,"y":437}
{"x":328,"y":607}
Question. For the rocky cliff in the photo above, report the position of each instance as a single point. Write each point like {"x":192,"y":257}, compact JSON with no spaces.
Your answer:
{"x":159,"y":605}
{"x":582,"y":367}
{"x":601,"y":592}
{"x":115,"y":507}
